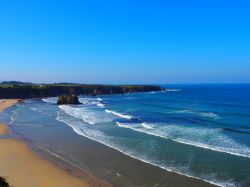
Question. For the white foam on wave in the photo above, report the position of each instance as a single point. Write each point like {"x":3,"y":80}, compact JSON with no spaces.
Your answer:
{"x":135,"y":125}
{"x":173,"y":90}
{"x":52,"y":100}
{"x":129,"y":98}
{"x":119,"y":114}
{"x":204,"y":114}
{"x":91,"y":116}
{"x":212,"y":139}
{"x":91,"y":101}
{"x":101,"y":105}
{"x":147,"y":126}
{"x":210,"y":114}
{"x":123,"y":125}
{"x":88,"y":101}
{"x":13,"y":117}
{"x":101,"y":138}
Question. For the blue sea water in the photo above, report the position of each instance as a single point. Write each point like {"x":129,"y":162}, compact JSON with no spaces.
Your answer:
{"x":201,"y":131}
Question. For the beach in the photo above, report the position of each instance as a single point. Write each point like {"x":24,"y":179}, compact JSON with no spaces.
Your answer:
{"x":22,"y":167}
{"x":138,"y":140}
{"x":124,"y":94}
{"x":61,"y":151}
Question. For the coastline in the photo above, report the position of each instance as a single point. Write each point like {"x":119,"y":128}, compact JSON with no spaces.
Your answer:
{"x":112,"y":166}
{"x":21,"y":166}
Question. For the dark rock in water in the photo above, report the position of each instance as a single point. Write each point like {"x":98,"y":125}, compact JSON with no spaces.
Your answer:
{"x":67,"y":99}
{"x":3,"y":182}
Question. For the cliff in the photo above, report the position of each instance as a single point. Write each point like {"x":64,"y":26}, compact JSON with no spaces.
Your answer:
{"x":54,"y":90}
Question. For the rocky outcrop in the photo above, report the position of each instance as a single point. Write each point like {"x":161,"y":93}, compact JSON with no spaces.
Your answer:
{"x":3,"y":182}
{"x":67,"y":99}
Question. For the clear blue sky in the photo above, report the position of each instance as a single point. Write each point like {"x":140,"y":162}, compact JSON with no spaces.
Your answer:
{"x":125,"y":41}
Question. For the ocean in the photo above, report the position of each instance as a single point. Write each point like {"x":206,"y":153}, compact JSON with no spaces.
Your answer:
{"x":201,"y":131}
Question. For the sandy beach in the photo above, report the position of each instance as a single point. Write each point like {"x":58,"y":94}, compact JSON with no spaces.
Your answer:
{"x":22,"y":155}
{"x":22,"y":167}
{"x":5,"y":103}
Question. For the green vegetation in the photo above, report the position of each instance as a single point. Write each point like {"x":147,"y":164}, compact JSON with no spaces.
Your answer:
{"x":6,"y":85}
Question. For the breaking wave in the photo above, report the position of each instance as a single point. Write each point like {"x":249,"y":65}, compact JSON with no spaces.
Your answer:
{"x":173,"y":90}
{"x":212,"y":139}
{"x":119,"y":114}
{"x":203,"y":114}
{"x":52,"y":100}
{"x":98,"y":136}
{"x":88,"y":115}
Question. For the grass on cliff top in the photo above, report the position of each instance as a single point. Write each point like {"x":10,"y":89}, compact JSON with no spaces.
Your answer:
{"x":6,"y":86}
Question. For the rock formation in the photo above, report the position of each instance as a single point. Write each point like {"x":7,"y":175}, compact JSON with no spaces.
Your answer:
{"x":67,"y":99}
{"x":3,"y":182}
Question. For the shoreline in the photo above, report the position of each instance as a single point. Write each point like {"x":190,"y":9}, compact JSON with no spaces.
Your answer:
{"x":116,"y":159}
{"x":21,"y":166}
{"x":177,"y":174}
{"x":166,"y":169}
{"x":125,"y":167}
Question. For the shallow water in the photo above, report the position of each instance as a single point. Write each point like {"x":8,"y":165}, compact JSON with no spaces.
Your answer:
{"x":196,"y":130}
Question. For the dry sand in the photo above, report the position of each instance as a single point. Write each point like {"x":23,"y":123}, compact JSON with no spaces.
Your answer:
{"x":23,"y":168}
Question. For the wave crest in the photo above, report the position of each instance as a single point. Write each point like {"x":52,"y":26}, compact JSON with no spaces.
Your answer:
{"x":90,"y":116}
{"x":173,"y":90}
{"x":119,"y":114}
{"x":212,"y":139}
{"x":203,"y":114}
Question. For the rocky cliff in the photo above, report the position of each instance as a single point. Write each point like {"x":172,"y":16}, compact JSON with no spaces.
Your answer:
{"x":39,"y":91}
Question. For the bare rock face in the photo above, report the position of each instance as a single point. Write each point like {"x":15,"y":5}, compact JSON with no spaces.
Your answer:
{"x":67,"y":99}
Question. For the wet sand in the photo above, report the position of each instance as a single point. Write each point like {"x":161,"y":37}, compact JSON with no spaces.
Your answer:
{"x":3,"y":129}
{"x":22,"y":167}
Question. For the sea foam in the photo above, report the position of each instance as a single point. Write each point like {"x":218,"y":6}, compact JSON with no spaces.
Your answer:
{"x":119,"y":114}
{"x":147,"y":126}
{"x":212,"y":139}
{"x":52,"y":100}
{"x":173,"y":90}
{"x":199,"y":113}
{"x":89,"y":115}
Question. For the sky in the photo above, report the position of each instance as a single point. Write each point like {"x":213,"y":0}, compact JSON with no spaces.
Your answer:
{"x":125,"y":41}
